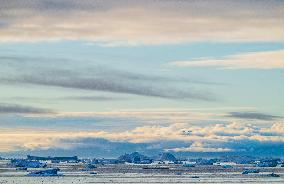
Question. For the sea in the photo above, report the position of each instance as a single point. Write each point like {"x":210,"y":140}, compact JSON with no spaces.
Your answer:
{"x":127,"y":178}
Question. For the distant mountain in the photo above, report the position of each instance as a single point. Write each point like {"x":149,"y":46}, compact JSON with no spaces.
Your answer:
{"x":102,"y":148}
{"x":99,"y":148}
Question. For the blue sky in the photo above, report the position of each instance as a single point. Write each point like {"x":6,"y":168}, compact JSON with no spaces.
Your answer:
{"x":75,"y":71}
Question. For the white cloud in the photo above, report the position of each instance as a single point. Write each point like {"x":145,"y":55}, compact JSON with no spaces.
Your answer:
{"x":276,"y":128}
{"x":145,"y":22}
{"x":170,"y":114}
{"x":255,"y":60}
{"x":199,"y":147}
{"x":202,"y":137}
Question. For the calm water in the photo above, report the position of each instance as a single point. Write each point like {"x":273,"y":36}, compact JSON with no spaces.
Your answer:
{"x":76,"y":178}
{"x":73,"y":174}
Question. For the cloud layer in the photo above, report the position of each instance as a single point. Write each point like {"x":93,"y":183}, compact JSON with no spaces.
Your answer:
{"x":145,"y":22}
{"x":108,"y":82}
{"x":199,"y":147}
{"x":40,"y":71}
{"x":254,"y":115}
{"x":20,"y":109}
{"x":256,"y":60}
{"x":210,"y":138}
{"x":78,"y":77}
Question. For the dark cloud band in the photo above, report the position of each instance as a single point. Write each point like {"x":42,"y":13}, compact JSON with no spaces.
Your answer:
{"x":253,"y":115}
{"x":20,"y":109}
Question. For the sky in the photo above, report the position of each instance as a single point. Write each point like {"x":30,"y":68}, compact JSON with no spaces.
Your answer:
{"x":99,"y":78}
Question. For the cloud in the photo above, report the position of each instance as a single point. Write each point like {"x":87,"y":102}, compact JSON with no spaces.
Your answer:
{"x":98,"y":147}
{"x":256,"y":148}
{"x":20,"y":109}
{"x":275,"y":129}
{"x":254,"y":60}
{"x":104,"y":147}
{"x":76,"y":98}
{"x":199,"y":147}
{"x":151,"y":115}
{"x":106,"y":80}
{"x":253,"y":115}
{"x":206,"y":138}
{"x":90,"y":98}
{"x":115,"y":22}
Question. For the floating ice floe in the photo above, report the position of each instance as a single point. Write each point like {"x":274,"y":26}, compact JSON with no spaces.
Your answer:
{"x":248,"y":171}
{"x":48,"y":172}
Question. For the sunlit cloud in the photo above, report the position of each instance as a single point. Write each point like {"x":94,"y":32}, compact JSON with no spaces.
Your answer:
{"x":210,"y":138}
{"x":76,"y":90}
{"x":154,"y":114}
{"x":199,"y":147}
{"x":255,"y":60}
{"x":147,"y":22}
